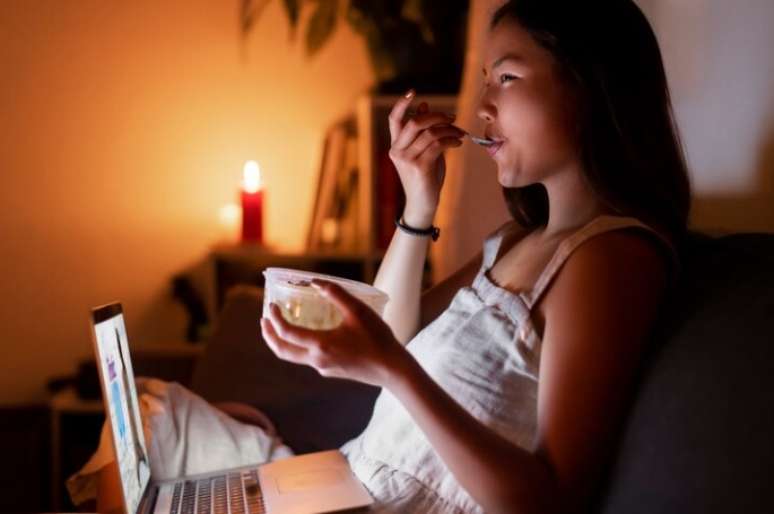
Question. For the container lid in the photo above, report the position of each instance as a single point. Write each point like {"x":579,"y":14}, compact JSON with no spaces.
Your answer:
{"x":302,"y":279}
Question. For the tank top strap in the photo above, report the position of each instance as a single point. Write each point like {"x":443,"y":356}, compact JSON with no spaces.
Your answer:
{"x":598,"y":225}
{"x":493,"y":243}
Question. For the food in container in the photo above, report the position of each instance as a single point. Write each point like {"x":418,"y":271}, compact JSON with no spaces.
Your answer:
{"x":302,"y":305}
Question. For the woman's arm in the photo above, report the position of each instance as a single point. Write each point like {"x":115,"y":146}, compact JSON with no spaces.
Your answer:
{"x":400,"y":276}
{"x":600,"y":318}
{"x":410,"y":313}
{"x":499,"y":475}
{"x":416,"y":148}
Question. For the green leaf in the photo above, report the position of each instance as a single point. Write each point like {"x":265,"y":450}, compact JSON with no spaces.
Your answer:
{"x":321,"y":25}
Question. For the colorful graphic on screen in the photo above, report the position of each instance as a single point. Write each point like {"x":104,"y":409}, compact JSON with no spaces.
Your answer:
{"x":124,"y":410}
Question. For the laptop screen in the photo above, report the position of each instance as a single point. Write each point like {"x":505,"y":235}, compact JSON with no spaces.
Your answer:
{"x":112,"y":354}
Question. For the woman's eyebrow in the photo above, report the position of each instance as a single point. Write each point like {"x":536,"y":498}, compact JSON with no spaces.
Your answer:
{"x":506,"y":57}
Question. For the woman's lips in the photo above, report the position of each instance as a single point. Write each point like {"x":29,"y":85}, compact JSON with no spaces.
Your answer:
{"x":493,"y":149}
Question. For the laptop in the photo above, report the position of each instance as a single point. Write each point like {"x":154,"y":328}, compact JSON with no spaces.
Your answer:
{"x":306,"y":484}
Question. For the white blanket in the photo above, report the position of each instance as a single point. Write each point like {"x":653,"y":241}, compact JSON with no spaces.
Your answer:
{"x":186,"y":435}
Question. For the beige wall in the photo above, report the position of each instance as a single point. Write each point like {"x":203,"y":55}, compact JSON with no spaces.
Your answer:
{"x":718,"y":58}
{"x":124,"y":129}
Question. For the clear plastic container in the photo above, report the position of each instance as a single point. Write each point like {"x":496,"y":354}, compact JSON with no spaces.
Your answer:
{"x":303,"y":306}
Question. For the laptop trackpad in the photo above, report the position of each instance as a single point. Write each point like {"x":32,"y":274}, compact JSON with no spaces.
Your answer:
{"x":315,"y":482}
{"x":305,"y":480}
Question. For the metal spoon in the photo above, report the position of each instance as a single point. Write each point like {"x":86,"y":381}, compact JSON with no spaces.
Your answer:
{"x":481,"y":141}
{"x":478,"y":140}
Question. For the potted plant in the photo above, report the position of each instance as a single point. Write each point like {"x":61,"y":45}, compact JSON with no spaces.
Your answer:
{"x":410,"y":43}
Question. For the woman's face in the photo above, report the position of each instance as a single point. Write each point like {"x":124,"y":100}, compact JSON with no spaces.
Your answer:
{"x":527,"y":107}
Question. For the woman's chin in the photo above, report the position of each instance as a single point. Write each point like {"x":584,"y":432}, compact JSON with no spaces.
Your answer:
{"x":508,"y":178}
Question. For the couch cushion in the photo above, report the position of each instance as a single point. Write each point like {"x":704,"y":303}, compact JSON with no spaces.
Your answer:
{"x":311,"y":412}
{"x":699,"y":436}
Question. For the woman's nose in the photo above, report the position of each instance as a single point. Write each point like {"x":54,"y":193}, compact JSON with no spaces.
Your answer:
{"x":485,"y":115}
{"x":485,"y":109}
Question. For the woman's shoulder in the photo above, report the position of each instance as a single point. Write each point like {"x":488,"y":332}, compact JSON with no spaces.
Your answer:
{"x":620,"y":250}
{"x":608,"y":251}
{"x":619,"y":243}
{"x":624,"y":265}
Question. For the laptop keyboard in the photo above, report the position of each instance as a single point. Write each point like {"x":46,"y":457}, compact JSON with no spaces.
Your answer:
{"x":234,"y":493}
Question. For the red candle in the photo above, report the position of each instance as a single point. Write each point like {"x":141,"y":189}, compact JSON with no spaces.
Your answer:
{"x":252,"y":204}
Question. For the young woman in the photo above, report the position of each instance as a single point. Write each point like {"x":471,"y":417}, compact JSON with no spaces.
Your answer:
{"x":518,"y":369}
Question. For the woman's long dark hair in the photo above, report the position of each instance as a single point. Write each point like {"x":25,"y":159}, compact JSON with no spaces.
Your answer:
{"x":630,"y":146}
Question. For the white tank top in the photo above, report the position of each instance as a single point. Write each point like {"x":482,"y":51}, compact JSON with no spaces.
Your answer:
{"x":483,"y":350}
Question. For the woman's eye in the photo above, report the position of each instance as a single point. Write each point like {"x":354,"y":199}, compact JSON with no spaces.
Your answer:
{"x":506,"y":78}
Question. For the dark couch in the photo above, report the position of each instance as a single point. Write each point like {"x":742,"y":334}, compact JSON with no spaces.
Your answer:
{"x":700,"y":434}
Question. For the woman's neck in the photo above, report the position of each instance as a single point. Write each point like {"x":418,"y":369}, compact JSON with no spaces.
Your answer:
{"x":571,"y":204}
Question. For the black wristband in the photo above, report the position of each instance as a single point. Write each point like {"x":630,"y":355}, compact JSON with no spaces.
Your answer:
{"x":431,"y":231}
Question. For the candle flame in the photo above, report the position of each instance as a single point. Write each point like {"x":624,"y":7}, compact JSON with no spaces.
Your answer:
{"x":251,"y":177}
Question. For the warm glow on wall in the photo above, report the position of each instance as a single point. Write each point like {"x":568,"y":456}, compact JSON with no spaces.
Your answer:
{"x":230,"y":218}
{"x":157,"y":136}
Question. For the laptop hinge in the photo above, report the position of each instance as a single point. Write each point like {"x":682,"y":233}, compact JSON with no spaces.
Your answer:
{"x":148,"y":503}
